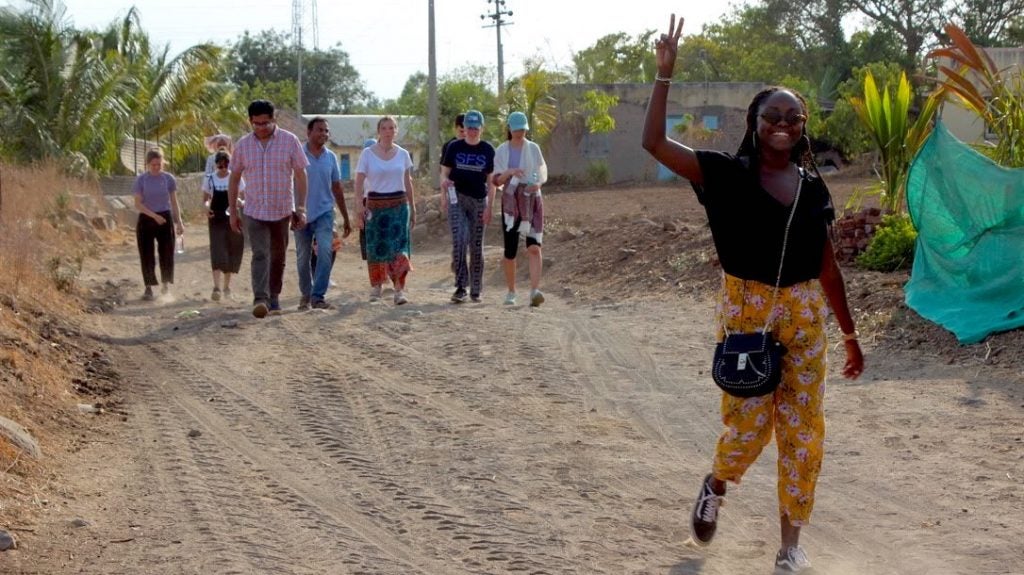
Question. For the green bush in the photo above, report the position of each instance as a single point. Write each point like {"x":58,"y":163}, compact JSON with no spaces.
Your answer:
{"x":892,"y":248}
{"x":599,"y":173}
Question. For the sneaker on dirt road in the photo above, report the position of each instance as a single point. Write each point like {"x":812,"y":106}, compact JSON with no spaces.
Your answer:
{"x":791,"y":561}
{"x":704,"y":519}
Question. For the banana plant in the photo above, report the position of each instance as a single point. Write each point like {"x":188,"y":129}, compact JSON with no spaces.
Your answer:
{"x":970,"y":75}
{"x":886,"y":115}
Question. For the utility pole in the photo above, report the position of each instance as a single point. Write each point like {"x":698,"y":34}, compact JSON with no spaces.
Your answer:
{"x":432,"y":111}
{"x":499,"y":11}
{"x":297,"y":10}
{"x":298,"y":31}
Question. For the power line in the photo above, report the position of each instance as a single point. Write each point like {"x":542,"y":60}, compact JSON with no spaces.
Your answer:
{"x":498,"y":22}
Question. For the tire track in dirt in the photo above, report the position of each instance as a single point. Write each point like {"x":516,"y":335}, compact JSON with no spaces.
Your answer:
{"x":290,"y":512}
{"x":465,"y":522}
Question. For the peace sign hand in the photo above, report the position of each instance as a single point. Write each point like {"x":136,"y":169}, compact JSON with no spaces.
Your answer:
{"x":665,"y":48}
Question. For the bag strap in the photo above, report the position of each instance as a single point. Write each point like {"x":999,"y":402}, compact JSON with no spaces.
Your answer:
{"x":782,"y":259}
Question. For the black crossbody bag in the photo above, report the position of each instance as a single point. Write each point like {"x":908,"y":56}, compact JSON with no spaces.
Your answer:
{"x":749,"y":364}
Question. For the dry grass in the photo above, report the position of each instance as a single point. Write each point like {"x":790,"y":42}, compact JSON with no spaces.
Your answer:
{"x":41,"y":251}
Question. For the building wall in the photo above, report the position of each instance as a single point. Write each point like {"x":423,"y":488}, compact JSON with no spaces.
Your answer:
{"x":572,"y":152}
{"x":963,"y":123}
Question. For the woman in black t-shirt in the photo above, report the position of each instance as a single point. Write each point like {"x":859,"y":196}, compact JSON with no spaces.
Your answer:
{"x":748,"y":198}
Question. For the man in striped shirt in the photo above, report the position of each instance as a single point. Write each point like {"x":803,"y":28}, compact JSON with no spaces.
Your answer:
{"x":271,"y":159}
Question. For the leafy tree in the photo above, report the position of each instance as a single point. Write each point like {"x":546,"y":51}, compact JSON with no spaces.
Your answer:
{"x":915,"y":22}
{"x":749,"y":45}
{"x":596,"y":105}
{"x":459,"y":90}
{"x":531,"y":94}
{"x":330,"y":85}
{"x":989,"y":22}
{"x":175,"y":100}
{"x":60,"y":92}
{"x":616,"y":58}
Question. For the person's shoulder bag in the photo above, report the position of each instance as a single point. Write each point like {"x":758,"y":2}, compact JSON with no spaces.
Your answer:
{"x":749,"y":364}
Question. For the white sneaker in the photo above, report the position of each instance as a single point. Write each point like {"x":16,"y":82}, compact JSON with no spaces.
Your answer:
{"x":375,"y":293}
{"x":510,"y":298}
{"x":791,"y":561}
{"x":536,"y":298}
{"x":400,"y":298}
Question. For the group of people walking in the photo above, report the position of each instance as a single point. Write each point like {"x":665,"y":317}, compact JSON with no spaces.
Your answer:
{"x":270,"y":183}
{"x":769,"y":211}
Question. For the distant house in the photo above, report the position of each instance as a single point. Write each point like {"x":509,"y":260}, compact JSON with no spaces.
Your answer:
{"x":963,"y":123}
{"x":348,"y":132}
{"x":700,"y":114}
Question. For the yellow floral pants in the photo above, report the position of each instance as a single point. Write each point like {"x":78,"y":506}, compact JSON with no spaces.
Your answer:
{"x":795,"y":412}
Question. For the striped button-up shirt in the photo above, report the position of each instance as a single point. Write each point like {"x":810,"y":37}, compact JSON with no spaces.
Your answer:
{"x":268,"y":169}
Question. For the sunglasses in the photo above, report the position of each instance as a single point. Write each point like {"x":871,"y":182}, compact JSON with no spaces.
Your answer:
{"x":774,"y":117}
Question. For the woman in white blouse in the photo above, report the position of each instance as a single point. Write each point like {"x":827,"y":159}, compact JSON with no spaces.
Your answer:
{"x":384,"y":178}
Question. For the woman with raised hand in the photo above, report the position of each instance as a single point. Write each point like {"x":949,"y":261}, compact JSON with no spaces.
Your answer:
{"x":755,"y":199}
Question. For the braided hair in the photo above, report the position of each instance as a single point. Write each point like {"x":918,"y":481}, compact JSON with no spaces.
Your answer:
{"x":800,"y":154}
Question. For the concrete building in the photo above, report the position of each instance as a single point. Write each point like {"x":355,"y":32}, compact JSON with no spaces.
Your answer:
{"x":700,"y":114}
{"x":963,"y":123}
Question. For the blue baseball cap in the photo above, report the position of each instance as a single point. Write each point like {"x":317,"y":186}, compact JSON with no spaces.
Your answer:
{"x":518,"y":121}
{"x":473,"y":119}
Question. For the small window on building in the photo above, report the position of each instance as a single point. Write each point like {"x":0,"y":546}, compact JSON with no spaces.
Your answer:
{"x":710,"y":122}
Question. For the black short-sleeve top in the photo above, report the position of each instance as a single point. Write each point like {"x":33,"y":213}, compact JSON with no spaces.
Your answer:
{"x":748,"y":224}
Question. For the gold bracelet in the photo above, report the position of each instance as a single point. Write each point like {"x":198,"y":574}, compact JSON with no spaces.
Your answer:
{"x":852,"y":336}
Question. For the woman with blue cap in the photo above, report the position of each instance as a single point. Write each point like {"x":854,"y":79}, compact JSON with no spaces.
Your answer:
{"x":466,"y":175}
{"x":519,"y":168}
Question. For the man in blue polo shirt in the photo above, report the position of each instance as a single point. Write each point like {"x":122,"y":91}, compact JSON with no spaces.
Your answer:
{"x":324,"y":192}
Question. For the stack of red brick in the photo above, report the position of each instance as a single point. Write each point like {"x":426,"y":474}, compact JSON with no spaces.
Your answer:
{"x":855,"y":232}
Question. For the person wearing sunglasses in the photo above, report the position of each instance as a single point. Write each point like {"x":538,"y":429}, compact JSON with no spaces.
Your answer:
{"x":755,"y":199}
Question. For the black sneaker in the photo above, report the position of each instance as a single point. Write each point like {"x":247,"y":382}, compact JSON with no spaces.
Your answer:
{"x":304,"y":303}
{"x":475,"y":298}
{"x":148,"y":294}
{"x":322,"y":304}
{"x":460,"y":296}
{"x":704,"y":519}
{"x":791,"y":561}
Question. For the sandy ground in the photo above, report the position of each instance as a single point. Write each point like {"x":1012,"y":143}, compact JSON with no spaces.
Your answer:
{"x":441,"y":439}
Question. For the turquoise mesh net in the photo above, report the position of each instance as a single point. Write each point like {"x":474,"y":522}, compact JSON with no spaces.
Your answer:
{"x":968,"y":271}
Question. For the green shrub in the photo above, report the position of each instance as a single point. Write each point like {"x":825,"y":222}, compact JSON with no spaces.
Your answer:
{"x":599,"y":172}
{"x":892,"y":248}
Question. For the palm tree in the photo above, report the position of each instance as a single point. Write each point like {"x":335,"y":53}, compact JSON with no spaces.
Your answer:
{"x":176,"y":100}
{"x":58,"y":87}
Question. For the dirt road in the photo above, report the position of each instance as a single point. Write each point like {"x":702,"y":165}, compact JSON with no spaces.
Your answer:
{"x":441,"y":439}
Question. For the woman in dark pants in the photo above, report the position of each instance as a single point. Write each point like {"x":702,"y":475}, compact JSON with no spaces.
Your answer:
{"x":156,"y":200}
